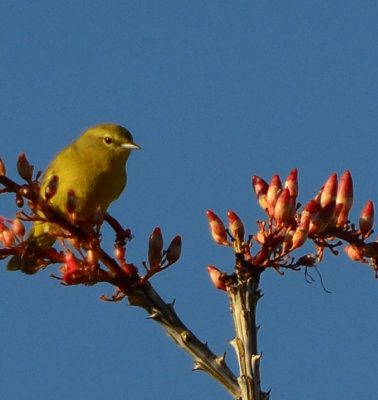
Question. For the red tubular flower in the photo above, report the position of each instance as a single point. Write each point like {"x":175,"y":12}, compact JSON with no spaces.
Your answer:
{"x":292,"y":184}
{"x":236,"y":225}
{"x":218,"y":230}
{"x":174,"y":250}
{"x":274,"y":190}
{"x":155,"y":247}
{"x":260,"y":187}
{"x":215,"y":276}
{"x":345,"y":197}
{"x":283,"y":209}
{"x":329,"y":191}
{"x":367,"y":218}
{"x":25,"y":170}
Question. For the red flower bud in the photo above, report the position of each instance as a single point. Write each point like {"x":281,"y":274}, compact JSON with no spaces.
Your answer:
{"x":344,"y":197}
{"x":353,"y":253}
{"x":235,"y":225}
{"x":367,"y":218}
{"x":287,"y":241}
{"x":51,"y":187}
{"x":329,"y":191}
{"x":323,"y":219}
{"x":274,"y":190}
{"x":283,"y":209}
{"x":18,"y":228}
{"x":292,"y":184}
{"x":155,"y":248}
{"x":218,"y":230}
{"x":301,"y":233}
{"x":3,"y":171}
{"x":260,"y":188}
{"x":174,"y":250}
{"x":215,"y":276}
{"x":7,"y":237}
{"x":310,"y":210}
{"x":25,"y":170}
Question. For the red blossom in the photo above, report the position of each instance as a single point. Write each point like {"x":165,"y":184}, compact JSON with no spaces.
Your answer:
{"x":174,"y":250}
{"x":216,"y":277}
{"x":217,"y":228}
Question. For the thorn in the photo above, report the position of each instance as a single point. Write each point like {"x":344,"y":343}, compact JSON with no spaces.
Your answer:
{"x":197,"y":366}
{"x":206,"y":344}
{"x":256,"y":357}
{"x":185,"y":336}
{"x":266,"y":395}
{"x":154,"y":315}
{"x":173,"y":302}
{"x":221,"y":359}
{"x":235,"y":344}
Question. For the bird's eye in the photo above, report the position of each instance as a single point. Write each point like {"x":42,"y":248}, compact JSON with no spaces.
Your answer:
{"x":108,"y":140}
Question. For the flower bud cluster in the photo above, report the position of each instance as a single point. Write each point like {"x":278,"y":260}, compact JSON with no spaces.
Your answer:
{"x":323,"y":219}
{"x":11,"y":232}
{"x":278,"y":201}
{"x":158,"y":258}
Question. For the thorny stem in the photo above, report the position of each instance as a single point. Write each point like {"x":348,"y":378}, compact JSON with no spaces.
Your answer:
{"x":204,"y":359}
{"x":244,"y":295}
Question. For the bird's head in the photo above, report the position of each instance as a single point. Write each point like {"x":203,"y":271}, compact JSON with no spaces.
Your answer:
{"x":108,"y":140}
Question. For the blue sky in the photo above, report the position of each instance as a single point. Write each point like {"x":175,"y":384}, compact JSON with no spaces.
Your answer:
{"x":214,"y":92}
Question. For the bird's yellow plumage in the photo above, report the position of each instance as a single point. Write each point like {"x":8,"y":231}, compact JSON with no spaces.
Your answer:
{"x":93,"y":166}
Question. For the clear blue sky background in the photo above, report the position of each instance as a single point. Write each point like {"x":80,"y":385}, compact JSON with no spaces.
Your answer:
{"x":214,"y":92}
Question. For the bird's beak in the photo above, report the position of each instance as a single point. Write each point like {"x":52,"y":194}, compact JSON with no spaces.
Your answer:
{"x":131,"y":146}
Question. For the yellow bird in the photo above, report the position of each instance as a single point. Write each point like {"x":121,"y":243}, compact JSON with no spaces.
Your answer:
{"x":93,"y":166}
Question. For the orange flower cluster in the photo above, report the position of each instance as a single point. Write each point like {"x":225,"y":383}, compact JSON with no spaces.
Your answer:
{"x":322,"y":220}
